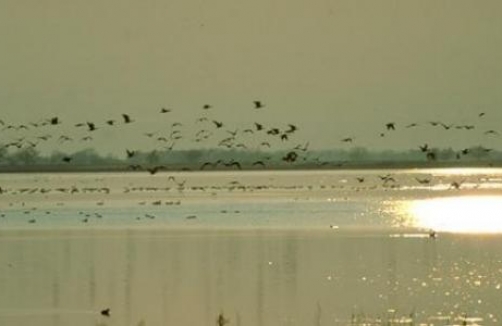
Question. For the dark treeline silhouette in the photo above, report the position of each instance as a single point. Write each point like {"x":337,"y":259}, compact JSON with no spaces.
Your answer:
{"x":29,"y":159}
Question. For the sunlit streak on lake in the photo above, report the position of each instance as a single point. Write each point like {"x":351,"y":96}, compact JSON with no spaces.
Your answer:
{"x":460,"y":214}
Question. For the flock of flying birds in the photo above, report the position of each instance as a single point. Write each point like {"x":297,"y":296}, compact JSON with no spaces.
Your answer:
{"x":208,"y":129}
{"x":210,"y":132}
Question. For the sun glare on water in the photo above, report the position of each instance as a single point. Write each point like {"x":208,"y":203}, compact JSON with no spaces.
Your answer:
{"x":462,"y":214}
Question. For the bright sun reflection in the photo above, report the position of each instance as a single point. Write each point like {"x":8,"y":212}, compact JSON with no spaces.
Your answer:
{"x":463,"y":214}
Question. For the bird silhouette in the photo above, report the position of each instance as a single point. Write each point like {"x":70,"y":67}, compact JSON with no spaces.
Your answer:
{"x":491,"y":132}
{"x":66,"y":159}
{"x":292,"y":128}
{"x":424,"y":148}
{"x":130,"y":153}
{"x":423,"y":181}
{"x":164,"y":110}
{"x":290,"y":157}
{"x":218,"y":124}
{"x":258,"y":104}
{"x":233,"y":163}
{"x":105,"y":312}
{"x":273,"y":131}
{"x":390,"y":126}
{"x":91,"y":126}
{"x":261,"y":163}
{"x":54,"y":121}
{"x":206,"y":164}
{"x":258,"y":126}
{"x":221,"y":320}
{"x":127,"y":118}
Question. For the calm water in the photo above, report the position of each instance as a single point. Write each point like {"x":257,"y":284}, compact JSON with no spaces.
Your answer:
{"x":261,"y":248}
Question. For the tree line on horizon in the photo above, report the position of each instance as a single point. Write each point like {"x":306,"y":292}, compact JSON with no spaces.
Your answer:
{"x":195,"y":159}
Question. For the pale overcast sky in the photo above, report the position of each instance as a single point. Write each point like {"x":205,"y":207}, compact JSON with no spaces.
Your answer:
{"x":336,"y":68}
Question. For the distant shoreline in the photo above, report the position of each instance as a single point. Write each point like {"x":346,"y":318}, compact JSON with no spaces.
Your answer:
{"x":279,"y":167}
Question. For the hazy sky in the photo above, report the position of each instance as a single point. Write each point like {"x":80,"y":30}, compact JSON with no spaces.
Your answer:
{"x":336,"y":68}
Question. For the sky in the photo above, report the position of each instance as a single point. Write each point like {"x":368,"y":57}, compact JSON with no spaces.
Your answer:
{"x":334,"y":68}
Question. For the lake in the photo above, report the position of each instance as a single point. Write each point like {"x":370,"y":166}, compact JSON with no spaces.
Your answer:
{"x":345,"y":247}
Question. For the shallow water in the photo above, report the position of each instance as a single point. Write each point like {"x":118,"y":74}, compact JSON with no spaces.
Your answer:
{"x":261,"y":248}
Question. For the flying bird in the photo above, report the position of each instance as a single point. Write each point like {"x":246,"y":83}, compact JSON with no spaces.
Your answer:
{"x":491,"y":132}
{"x":54,"y":121}
{"x":233,"y":163}
{"x":390,"y":126}
{"x":259,"y":126}
{"x":91,"y":126}
{"x":273,"y":131}
{"x":67,"y":159}
{"x":424,"y":148}
{"x":130,"y":153}
{"x":258,"y":104}
{"x":127,"y":118}
{"x":105,"y":312}
{"x":290,"y":157}
{"x":218,"y":124}
{"x":292,"y":128}
{"x":259,"y":163}
{"x":164,"y":110}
